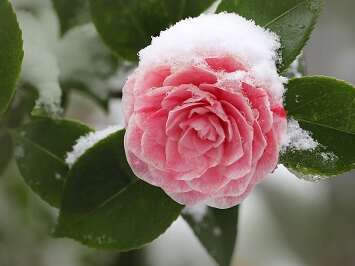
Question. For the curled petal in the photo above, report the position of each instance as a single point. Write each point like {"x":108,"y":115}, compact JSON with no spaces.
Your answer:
{"x":191,"y":75}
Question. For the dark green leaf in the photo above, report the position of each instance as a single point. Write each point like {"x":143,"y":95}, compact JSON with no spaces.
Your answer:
{"x":106,"y":206}
{"x":21,"y":107}
{"x":292,"y":20}
{"x":41,"y":148}
{"x":325,"y":107}
{"x":127,"y":26}
{"x":71,"y":13}
{"x":11,"y":54}
{"x":5,"y":151}
{"x":217,"y":232}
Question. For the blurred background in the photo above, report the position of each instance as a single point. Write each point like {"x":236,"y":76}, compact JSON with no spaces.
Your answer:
{"x":285,"y":222}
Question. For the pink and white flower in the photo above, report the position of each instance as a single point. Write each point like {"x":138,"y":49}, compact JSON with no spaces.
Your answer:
{"x":204,"y":114}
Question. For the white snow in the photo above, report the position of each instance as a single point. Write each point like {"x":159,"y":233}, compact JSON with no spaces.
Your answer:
{"x":198,"y":212}
{"x":83,"y":57}
{"x":40,"y":67}
{"x":86,"y":142}
{"x":297,"y":138}
{"x":193,"y":39}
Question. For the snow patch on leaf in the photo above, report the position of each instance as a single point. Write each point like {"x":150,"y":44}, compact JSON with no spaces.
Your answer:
{"x":197,"y":212}
{"x":86,"y":142}
{"x":297,"y":139}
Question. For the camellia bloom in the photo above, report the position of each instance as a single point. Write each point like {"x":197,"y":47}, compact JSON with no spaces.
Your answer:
{"x":204,"y":112}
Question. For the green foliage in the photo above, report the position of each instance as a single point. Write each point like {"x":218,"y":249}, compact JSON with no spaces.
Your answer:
{"x":127,"y":26}
{"x":325,"y":107}
{"x":71,"y":13}
{"x":11,"y":54}
{"x":217,"y":232}
{"x":5,"y":151}
{"x":105,"y":206}
{"x":292,"y":20}
{"x":41,"y":148}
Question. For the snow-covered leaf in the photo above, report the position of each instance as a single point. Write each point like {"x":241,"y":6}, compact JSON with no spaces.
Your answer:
{"x":216,"y":229}
{"x":292,"y":20}
{"x":11,"y":54}
{"x":127,"y":26}
{"x":325,"y":107}
{"x":41,"y":147}
{"x":105,"y":206}
{"x":71,"y":13}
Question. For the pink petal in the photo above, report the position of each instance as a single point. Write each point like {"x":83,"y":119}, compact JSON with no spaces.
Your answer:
{"x":233,"y":149}
{"x":269,"y":160}
{"x":188,"y":168}
{"x":128,"y":98}
{"x":259,"y":143}
{"x":168,"y":182}
{"x":229,"y":201}
{"x":236,"y":187}
{"x":190,"y":75}
{"x":133,"y":137}
{"x":188,"y":198}
{"x":226,"y":63}
{"x":191,"y":146}
{"x":211,"y":181}
{"x":243,"y":165}
{"x":260,"y":100}
{"x":236,"y":100}
{"x":151,"y":79}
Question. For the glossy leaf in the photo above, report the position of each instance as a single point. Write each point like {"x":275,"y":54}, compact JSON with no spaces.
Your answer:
{"x":325,"y":107}
{"x":71,"y":13}
{"x":106,"y":206}
{"x":217,"y":232}
{"x":6,"y":150}
{"x":292,"y":20}
{"x":41,"y":148}
{"x":11,"y":54}
{"x":21,"y":107}
{"x":127,"y":26}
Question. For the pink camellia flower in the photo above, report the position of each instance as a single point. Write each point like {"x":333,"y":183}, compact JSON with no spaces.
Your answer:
{"x":204,"y":131}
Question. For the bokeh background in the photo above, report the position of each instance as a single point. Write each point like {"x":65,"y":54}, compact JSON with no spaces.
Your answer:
{"x":285,"y":222}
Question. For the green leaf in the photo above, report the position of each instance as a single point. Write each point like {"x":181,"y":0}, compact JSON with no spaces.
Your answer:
{"x":41,"y":149}
{"x":11,"y":54}
{"x":325,"y":107}
{"x":292,"y":20}
{"x":217,"y":232}
{"x":71,"y":13}
{"x":106,"y":206}
{"x":127,"y":26}
{"x":21,"y":107}
{"x":6,"y":150}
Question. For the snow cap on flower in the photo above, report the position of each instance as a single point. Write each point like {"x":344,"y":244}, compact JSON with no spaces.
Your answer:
{"x":203,"y":110}
{"x":193,"y":39}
